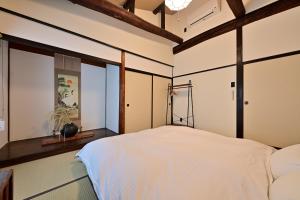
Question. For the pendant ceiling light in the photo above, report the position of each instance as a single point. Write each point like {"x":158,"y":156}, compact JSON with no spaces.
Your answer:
{"x":177,"y":5}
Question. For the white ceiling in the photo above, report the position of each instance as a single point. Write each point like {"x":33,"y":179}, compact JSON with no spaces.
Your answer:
{"x":150,"y":5}
{"x":143,"y":4}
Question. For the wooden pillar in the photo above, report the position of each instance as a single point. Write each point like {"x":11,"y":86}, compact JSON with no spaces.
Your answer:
{"x":239,"y":85}
{"x":122,"y":95}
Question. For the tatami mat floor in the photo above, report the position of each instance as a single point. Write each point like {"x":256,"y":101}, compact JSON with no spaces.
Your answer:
{"x":81,"y":189}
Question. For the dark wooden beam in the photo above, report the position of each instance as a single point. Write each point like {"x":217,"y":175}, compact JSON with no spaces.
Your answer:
{"x":159,"y":8}
{"x":114,"y":11}
{"x":162,"y":9}
{"x":122,"y":95}
{"x":163,"y":17}
{"x":266,"y":11}
{"x":129,"y":5}
{"x":237,"y":7}
{"x":239,"y":84}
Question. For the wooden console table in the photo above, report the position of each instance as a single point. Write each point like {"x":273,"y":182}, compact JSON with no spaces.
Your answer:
{"x":60,"y":139}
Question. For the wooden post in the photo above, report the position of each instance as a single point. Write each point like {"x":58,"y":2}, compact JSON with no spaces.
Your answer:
{"x":122,"y":95}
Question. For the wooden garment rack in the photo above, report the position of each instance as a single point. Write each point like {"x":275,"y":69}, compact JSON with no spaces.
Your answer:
{"x":190,"y":106}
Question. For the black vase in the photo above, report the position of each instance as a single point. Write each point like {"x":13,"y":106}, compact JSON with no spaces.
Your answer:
{"x":69,"y":130}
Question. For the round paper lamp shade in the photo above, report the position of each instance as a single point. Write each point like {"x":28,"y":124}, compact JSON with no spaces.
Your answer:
{"x":177,"y":5}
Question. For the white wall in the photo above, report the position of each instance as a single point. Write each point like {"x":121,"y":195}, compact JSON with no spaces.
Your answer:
{"x":195,"y":9}
{"x":214,"y":106}
{"x":3,"y":90}
{"x":32,"y":95}
{"x":215,"y":52}
{"x":93,"y":86}
{"x":136,"y":62}
{"x":112,"y":97}
{"x":214,"y":101}
{"x":84,"y":21}
{"x":273,"y":35}
{"x":271,"y":86}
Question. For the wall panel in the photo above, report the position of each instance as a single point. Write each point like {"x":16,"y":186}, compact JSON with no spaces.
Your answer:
{"x":23,"y":28}
{"x":31,"y":94}
{"x":273,"y":35}
{"x":112,"y":97}
{"x":93,"y":86}
{"x":136,"y":62}
{"x":213,"y":53}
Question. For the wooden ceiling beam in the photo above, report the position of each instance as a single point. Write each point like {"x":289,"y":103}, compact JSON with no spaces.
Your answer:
{"x":162,"y":9}
{"x":129,"y":5}
{"x":114,"y":11}
{"x":159,"y":8}
{"x":261,"y":13}
{"x":237,"y":7}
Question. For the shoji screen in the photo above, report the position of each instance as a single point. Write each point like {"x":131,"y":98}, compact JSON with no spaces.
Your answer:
{"x":138,"y":97}
{"x":272,"y":89}
{"x":160,"y":91}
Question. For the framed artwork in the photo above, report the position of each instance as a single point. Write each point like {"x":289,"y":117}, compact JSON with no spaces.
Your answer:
{"x":67,"y":91}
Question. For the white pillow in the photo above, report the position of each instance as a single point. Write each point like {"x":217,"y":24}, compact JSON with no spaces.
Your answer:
{"x":286,"y":187}
{"x":285,"y":160}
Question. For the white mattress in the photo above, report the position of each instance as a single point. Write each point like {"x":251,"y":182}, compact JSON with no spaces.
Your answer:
{"x":178,"y":163}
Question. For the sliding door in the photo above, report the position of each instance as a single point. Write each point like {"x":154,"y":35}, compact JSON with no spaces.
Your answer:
{"x":272,"y":101}
{"x":160,"y":91}
{"x":138,"y":101}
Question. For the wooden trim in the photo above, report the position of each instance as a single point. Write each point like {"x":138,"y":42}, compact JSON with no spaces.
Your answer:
{"x":261,"y":13}
{"x":78,"y":35}
{"x":147,"y":73}
{"x":272,"y":57}
{"x":108,"y":8}
{"x":172,"y":102}
{"x":122,"y":95}
{"x":8,"y":93}
{"x":237,"y":7}
{"x":152,"y":101}
{"x":239,"y":85}
{"x":206,"y":70}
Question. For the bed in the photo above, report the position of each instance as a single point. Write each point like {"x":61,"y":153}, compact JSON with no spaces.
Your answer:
{"x":173,"y":162}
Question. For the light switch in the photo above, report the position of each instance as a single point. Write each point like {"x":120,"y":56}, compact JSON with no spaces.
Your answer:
{"x":2,"y":125}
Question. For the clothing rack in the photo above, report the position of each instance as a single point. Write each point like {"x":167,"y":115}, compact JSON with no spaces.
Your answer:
{"x":172,"y":89}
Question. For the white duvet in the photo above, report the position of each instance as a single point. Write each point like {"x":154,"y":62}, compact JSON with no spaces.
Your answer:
{"x":171,"y":163}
